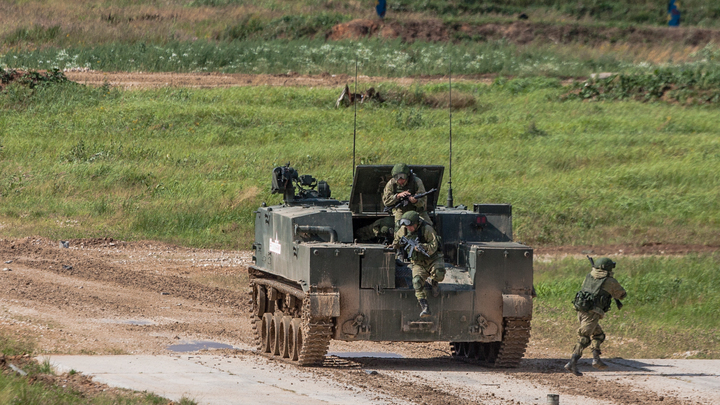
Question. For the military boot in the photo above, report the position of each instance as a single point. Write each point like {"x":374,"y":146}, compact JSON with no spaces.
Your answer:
{"x":425,"y":308}
{"x":597,"y":363}
{"x":571,"y":366}
{"x":435,"y":288}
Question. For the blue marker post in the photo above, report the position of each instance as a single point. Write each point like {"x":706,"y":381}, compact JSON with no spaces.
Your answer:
{"x":381,"y":8}
{"x":673,"y":13}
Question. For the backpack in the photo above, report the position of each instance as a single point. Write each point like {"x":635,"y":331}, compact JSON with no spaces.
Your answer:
{"x":584,"y":301}
{"x":591,"y":295}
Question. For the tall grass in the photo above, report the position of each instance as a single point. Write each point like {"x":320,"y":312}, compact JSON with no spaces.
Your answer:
{"x":672,"y":307}
{"x":374,"y":57}
{"x":190,"y":166}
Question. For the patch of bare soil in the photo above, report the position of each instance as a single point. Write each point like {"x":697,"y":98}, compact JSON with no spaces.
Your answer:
{"x":520,"y":32}
{"x":408,"y":31}
{"x":139,"y":80}
{"x":102,"y":296}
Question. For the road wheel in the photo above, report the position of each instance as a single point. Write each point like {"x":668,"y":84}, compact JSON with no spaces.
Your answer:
{"x":455,"y":348}
{"x":295,"y":339}
{"x":477,"y":350}
{"x":265,"y":334}
{"x":469,"y":350}
{"x":490,"y":352}
{"x":260,"y":301}
{"x":275,"y":339}
{"x":284,"y":335}
{"x":256,"y":326}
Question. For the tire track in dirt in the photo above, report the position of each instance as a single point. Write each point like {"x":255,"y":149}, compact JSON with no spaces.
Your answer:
{"x":76,"y":263}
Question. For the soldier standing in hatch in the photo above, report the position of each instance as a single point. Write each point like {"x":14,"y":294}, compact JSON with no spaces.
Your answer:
{"x":404,"y":184}
{"x":592,"y":302}
{"x":432,"y":266}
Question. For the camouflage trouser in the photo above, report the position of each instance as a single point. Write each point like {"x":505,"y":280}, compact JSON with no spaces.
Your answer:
{"x":422,"y":271}
{"x":589,"y":333}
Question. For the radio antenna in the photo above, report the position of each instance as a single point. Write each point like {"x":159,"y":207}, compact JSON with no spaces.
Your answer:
{"x":354,"y":98}
{"x":450,"y":203}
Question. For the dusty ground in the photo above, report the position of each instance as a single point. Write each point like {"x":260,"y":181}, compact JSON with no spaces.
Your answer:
{"x":100,"y":296}
{"x":137,"y":80}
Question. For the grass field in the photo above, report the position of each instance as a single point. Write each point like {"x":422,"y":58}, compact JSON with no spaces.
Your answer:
{"x":63,"y":23}
{"x":190,"y":166}
{"x":374,"y":57}
{"x":640,"y":163}
{"x":671,"y":309}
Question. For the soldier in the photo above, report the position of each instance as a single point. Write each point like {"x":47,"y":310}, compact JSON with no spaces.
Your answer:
{"x":432,"y":266}
{"x":591,"y":303}
{"x":404,"y":184}
{"x":382,"y":228}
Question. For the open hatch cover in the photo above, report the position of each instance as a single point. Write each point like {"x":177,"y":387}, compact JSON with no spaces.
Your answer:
{"x":370,"y":180}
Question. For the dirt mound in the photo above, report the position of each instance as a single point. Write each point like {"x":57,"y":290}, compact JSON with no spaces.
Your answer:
{"x":408,"y":31}
{"x":30,"y":78}
{"x":521,"y":32}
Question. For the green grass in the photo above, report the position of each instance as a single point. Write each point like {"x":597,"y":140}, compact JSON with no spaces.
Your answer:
{"x":375,"y":58}
{"x":11,"y":346}
{"x":672,"y":307}
{"x":190,"y":166}
{"x":16,"y":390}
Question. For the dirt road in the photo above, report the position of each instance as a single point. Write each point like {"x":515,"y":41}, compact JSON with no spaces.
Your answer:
{"x":140,"y":80}
{"x":105,"y":297}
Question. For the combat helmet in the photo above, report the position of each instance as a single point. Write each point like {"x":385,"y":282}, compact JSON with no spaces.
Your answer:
{"x":604,"y":263}
{"x":410,"y":218}
{"x":399,"y":170}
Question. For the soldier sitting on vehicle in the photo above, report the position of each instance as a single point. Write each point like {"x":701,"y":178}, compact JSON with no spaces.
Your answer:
{"x":425,"y":255}
{"x":591,"y":303}
{"x":405,"y":184}
{"x":382,"y":230}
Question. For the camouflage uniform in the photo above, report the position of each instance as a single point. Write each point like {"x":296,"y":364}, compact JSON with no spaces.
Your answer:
{"x":415,"y":186}
{"x":424,"y":267}
{"x":590,"y":333}
{"x":382,"y":228}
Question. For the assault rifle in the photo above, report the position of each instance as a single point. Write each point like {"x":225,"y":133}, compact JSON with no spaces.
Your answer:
{"x":412,"y":245}
{"x":617,"y":301}
{"x":404,"y":201}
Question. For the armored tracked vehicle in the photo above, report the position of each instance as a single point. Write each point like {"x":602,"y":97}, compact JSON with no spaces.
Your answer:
{"x":313,"y":280}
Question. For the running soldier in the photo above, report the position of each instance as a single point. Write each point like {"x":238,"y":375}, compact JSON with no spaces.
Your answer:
{"x":591,"y":303}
